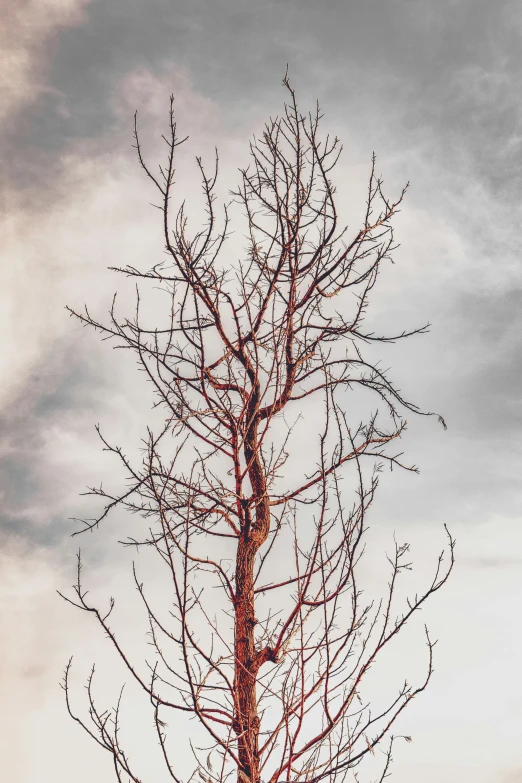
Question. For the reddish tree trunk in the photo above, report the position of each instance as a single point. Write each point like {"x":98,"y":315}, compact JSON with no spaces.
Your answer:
{"x":247,"y":658}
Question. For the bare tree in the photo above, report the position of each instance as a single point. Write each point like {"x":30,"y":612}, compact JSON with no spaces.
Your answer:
{"x":274,"y":667}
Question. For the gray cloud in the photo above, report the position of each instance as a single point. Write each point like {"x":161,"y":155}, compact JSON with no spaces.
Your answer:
{"x":431,"y":73}
{"x":55,"y":397}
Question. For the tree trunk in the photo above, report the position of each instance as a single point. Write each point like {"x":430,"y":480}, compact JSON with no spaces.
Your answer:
{"x":246,"y":664}
{"x":247,"y":658}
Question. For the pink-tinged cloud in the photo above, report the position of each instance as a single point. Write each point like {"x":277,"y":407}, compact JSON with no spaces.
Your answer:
{"x":26,"y":36}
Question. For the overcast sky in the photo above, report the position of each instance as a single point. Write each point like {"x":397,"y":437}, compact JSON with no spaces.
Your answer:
{"x":434,"y":89}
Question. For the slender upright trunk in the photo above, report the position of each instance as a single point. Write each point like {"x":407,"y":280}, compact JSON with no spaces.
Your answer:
{"x":246,"y":665}
{"x":247,"y":658}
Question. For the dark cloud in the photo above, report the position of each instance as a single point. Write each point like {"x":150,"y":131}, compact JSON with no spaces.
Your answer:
{"x":486,"y":368}
{"x":59,"y":396}
{"x":431,"y":73}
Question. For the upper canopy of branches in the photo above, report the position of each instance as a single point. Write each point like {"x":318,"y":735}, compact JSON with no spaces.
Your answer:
{"x":243,"y":341}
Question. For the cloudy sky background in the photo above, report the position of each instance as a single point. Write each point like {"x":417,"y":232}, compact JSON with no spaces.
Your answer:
{"x":434,"y":89}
